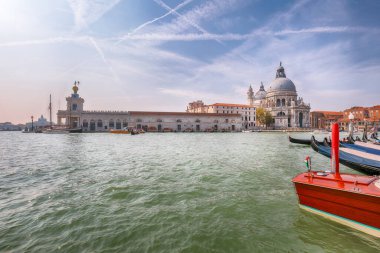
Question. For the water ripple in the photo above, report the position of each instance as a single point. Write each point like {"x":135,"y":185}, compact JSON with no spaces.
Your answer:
{"x":160,"y":193}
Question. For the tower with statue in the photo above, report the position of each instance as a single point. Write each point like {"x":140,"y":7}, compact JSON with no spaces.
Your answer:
{"x":74,"y":108}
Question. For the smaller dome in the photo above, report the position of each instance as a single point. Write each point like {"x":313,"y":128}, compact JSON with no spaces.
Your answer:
{"x":261,"y":94}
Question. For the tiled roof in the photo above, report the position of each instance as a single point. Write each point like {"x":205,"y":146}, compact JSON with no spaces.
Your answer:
{"x":132,"y":113}
{"x":330,"y":113}
{"x":232,"y":105}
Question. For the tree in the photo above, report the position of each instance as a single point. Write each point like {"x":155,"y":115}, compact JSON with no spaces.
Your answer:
{"x":264,"y":117}
{"x":268,"y":119}
{"x":260,"y":116}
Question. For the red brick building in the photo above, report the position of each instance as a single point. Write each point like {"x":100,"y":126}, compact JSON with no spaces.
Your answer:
{"x":371,"y":115}
{"x":324,"y":119}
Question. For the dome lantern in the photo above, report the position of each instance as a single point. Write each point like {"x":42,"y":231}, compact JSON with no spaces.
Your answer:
{"x":280,"y":71}
{"x":281,"y":83}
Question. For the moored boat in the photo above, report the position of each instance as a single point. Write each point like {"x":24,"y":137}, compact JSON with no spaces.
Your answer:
{"x":299,"y":141}
{"x":120,"y":131}
{"x":352,"y":200}
{"x":360,"y":161}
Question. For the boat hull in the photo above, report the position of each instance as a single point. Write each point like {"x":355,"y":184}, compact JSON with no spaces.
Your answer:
{"x":299,"y":141}
{"x":119,"y":132}
{"x":354,"y":202}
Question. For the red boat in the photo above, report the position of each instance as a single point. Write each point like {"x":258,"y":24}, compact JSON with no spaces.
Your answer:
{"x":353,"y":200}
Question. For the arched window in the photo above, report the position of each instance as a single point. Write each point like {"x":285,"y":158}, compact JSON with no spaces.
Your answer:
{"x":283,"y":102}
{"x":85,"y":123}
{"x":197,"y":120}
{"x":178,"y":120}
{"x":100,"y":123}
{"x":118,"y":124}
{"x":111,"y":123}
{"x":281,"y":114}
{"x":278,"y":103}
{"x":216,"y":121}
{"x":92,"y":125}
{"x":125,"y":123}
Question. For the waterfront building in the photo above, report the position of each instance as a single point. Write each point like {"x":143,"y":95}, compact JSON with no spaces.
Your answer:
{"x":362,"y":116}
{"x":8,"y":126}
{"x":184,"y":121}
{"x":246,"y":112}
{"x":41,"y":122}
{"x":282,"y":101}
{"x":324,"y":119}
{"x":90,"y":121}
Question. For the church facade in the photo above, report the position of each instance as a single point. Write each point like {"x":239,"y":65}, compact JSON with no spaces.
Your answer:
{"x":282,"y":101}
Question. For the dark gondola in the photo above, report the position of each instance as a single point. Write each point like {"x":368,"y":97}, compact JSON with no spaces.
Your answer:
{"x":367,"y":166}
{"x":299,"y":141}
{"x":75,"y":130}
{"x":350,"y":139}
{"x":326,"y":142}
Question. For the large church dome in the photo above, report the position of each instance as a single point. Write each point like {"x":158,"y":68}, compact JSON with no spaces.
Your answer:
{"x":281,"y":83}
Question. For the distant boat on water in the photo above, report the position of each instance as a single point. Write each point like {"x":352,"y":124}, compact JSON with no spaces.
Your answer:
{"x":120,"y":131}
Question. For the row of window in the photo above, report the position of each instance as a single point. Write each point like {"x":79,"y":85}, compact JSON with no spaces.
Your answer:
{"x":282,"y":102}
{"x":119,"y":124}
{"x":232,"y":112}
{"x":248,"y":118}
{"x":99,"y":124}
{"x":231,"y":108}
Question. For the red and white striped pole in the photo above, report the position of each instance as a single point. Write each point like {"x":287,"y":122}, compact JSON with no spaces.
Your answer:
{"x":335,"y":148}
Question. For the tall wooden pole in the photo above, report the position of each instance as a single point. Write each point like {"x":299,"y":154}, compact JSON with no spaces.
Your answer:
{"x":51,"y":123}
{"x":335,"y":148}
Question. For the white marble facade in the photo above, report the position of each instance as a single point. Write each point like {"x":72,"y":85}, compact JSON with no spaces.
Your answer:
{"x":281,"y":99}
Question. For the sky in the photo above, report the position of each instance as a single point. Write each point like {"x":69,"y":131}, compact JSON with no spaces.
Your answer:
{"x":159,"y":55}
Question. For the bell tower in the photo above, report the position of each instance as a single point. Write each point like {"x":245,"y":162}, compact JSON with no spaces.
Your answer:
{"x":250,"y":95}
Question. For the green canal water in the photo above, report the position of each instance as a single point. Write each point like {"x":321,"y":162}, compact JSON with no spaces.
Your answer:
{"x":170,"y":192}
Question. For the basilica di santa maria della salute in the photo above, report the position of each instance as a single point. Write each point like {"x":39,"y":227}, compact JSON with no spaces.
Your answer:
{"x":281,"y":100}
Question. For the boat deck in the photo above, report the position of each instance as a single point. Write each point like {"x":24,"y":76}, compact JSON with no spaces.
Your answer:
{"x":367,"y":145}
{"x":353,"y":200}
{"x":369,"y":185}
{"x":361,"y":154}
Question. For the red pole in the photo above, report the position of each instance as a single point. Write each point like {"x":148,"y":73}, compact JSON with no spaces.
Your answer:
{"x":335,"y":148}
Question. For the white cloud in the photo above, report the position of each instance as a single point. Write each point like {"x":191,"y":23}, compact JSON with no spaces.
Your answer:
{"x":87,"y":12}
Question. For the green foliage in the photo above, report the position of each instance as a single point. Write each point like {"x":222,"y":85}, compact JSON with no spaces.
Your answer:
{"x":263,"y":117}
